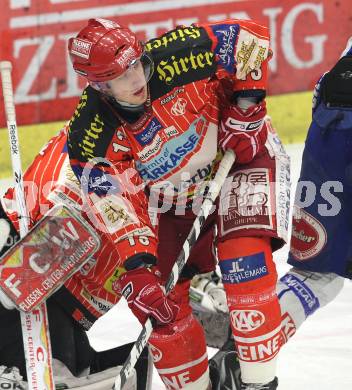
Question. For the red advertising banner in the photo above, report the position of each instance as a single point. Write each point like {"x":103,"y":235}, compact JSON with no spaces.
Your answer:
{"x":307,"y":37}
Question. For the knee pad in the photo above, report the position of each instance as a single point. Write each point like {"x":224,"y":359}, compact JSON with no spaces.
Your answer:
{"x":302,"y":292}
{"x":249,"y":277}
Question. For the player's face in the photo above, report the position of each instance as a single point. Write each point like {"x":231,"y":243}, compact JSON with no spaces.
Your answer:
{"x":131,"y":86}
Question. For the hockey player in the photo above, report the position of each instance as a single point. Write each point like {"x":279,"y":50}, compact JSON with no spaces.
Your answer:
{"x":73,"y":309}
{"x":321,"y":224}
{"x":165,"y":129}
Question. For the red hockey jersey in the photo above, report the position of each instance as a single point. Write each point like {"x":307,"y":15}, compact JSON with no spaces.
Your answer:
{"x":173,"y":144}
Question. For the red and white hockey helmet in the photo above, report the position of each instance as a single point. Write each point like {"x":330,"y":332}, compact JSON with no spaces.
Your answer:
{"x":104,"y":50}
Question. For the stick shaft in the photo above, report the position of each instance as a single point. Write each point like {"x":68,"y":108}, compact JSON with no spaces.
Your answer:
{"x":5,"y":68}
{"x":35,"y":328}
{"x":214,"y":190}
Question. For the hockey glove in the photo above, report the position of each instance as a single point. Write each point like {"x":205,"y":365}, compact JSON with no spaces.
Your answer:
{"x":243,"y":131}
{"x":145,"y":295}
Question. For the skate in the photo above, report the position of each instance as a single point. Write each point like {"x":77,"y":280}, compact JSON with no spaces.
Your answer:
{"x":260,"y":386}
{"x":224,"y":369}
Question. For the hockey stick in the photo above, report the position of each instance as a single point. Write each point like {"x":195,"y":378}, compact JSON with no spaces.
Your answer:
{"x":35,"y":329}
{"x":214,"y":190}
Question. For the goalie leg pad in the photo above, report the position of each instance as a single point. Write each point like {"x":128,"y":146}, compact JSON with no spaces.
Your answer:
{"x":11,"y":379}
{"x":106,"y":360}
{"x":216,"y":327}
{"x":249,"y":277}
{"x":99,"y":381}
{"x":69,"y":342}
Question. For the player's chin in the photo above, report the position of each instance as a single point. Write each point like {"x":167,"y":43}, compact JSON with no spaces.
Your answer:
{"x":140,"y":96}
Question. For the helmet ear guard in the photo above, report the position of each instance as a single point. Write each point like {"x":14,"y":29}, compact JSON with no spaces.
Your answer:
{"x":103,"y":50}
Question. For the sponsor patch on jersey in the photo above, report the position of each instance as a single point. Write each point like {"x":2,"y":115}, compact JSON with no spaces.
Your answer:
{"x":172,"y":153}
{"x":147,"y":135}
{"x":81,"y":48}
{"x":100,"y":305}
{"x":172,"y":96}
{"x":151,"y":149}
{"x":179,"y":107}
{"x":116,"y":213}
{"x":226,"y":36}
{"x":68,"y":178}
{"x":82,"y":319}
{"x":243,"y":269}
{"x":89,"y":139}
{"x":112,"y":279}
{"x":171,"y":132}
{"x":86,"y":268}
{"x":201,"y":174}
{"x":189,"y":58}
{"x":251,"y":52}
{"x":182,"y":70}
{"x":308,"y":236}
{"x":154,"y":147}
{"x":99,"y":182}
{"x":247,"y":201}
{"x":306,"y":296}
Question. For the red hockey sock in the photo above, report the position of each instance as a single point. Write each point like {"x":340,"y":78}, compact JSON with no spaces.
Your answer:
{"x":249,"y":276}
{"x":179,"y":351}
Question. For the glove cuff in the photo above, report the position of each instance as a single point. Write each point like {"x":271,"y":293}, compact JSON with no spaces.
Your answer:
{"x":139,"y":260}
